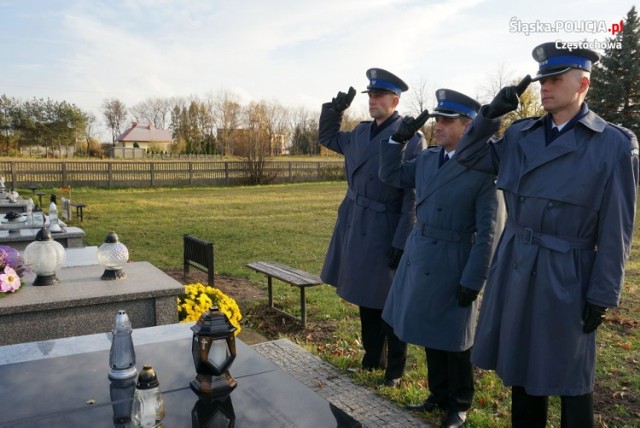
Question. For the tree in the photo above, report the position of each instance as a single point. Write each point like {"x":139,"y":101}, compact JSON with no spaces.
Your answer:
{"x":116,"y":115}
{"x":615,"y":89}
{"x":155,"y":110}
{"x":304,"y":132}
{"x":8,"y":118}
{"x":227,"y":111}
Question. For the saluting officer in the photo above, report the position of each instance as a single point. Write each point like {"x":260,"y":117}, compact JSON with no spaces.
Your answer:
{"x":374,"y":218}
{"x":569,"y":180}
{"x":432,"y":302}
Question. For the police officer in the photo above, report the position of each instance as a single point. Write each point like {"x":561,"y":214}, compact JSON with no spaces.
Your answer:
{"x":432,"y":301}
{"x":569,"y":180}
{"x":374,"y":218}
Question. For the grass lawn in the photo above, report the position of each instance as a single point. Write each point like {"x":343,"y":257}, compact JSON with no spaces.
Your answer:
{"x":292,"y":224}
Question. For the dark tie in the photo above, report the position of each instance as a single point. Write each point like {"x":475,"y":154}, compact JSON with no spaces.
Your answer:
{"x":554,"y":134}
{"x":445,"y":159}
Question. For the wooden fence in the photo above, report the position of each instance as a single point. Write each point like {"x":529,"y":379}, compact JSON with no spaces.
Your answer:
{"x":19,"y":174}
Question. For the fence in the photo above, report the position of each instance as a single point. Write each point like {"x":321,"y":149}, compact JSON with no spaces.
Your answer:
{"x":161,"y":173}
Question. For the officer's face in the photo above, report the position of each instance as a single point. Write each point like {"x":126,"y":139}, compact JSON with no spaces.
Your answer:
{"x":564,"y":91}
{"x":381,"y":106}
{"x":449,"y":130}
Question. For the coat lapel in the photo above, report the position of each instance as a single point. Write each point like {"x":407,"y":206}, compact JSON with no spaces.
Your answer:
{"x":436,"y":177}
{"x":537,"y":153}
{"x":368,"y":148}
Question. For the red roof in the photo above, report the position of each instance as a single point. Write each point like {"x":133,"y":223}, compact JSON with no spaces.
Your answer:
{"x":145,"y":132}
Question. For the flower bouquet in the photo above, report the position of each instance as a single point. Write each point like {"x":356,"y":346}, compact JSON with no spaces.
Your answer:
{"x":12,"y":269}
{"x":199,"y":298}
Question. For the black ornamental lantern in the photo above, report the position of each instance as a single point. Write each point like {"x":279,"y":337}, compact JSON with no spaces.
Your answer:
{"x":214,"y":350}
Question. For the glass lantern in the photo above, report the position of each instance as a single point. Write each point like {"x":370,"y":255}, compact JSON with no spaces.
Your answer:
{"x":148,"y":404}
{"x":213,"y":349}
{"x":44,"y":256}
{"x":113,"y":255}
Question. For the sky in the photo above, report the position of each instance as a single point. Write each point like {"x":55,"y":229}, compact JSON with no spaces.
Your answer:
{"x":295,"y":52}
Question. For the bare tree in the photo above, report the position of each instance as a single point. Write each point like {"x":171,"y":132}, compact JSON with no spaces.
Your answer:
{"x":227,"y":112}
{"x":420,"y":97}
{"x":155,"y":110}
{"x":116,"y":115}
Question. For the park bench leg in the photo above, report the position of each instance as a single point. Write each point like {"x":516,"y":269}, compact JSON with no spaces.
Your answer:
{"x":303,"y":307}
{"x":270,"y":286}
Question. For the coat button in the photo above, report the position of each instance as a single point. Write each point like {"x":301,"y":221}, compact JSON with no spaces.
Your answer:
{"x":515,"y":265}
{"x":521,"y":198}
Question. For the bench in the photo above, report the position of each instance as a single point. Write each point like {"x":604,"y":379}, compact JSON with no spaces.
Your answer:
{"x":199,"y":254}
{"x":289,"y":275}
{"x":78,"y":206}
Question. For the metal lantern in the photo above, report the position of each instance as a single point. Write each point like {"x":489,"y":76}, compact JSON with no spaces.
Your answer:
{"x":213,"y":349}
{"x":121,"y":393}
{"x":122,"y":355}
{"x":113,"y":255}
{"x":211,"y":412}
{"x":148,"y":404}
{"x":44,"y":256}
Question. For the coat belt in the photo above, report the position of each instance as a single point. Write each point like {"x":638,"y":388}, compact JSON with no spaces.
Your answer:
{"x":553,"y":242}
{"x":445,"y":235}
{"x":365,"y":202}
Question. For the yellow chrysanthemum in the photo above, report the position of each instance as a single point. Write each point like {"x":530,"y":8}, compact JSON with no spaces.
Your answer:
{"x":198,"y":298}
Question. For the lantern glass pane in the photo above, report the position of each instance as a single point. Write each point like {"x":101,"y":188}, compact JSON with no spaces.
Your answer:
{"x":218,"y":353}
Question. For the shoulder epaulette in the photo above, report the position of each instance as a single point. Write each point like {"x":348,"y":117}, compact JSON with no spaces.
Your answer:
{"x":625,"y":131}
{"x":526,"y":118}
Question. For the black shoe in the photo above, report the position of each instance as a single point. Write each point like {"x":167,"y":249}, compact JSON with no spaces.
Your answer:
{"x":454,"y":419}
{"x":428,"y":405}
{"x":393,"y":383}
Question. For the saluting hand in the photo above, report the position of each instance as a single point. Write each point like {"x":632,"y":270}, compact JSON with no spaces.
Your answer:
{"x":507,"y":99}
{"x":409,"y":126}
{"x":342,"y":101}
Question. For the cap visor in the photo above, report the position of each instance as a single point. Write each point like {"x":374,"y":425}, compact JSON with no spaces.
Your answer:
{"x":550,"y":73}
{"x":445,"y":114}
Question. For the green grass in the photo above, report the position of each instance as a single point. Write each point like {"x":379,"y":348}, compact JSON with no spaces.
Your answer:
{"x":292,"y":224}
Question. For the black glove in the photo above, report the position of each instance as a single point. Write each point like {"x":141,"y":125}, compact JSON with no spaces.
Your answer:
{"x":394,"y":257}
{"x":342,"y":101}
{"x":592,"y":316}
{"x":466,"y":296}
{"x":409,"y":126}
{"x":507,"y":99}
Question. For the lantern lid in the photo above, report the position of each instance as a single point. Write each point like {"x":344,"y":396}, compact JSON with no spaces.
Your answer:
{"x":111,"y":238}
{"x":147,"y":378}
{"x":43,"y":235}
{"x":214,"y":324}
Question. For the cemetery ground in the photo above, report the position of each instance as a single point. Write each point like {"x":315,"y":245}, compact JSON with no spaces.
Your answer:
{"x":292,"y":224}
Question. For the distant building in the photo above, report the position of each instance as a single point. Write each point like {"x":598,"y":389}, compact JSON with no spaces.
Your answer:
{"x":145,"y":136}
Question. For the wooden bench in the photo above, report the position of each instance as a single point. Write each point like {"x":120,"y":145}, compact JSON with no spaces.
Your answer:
{"x":79,"y":206}
{"x":199,"y":254}
{"x":294,"y":277}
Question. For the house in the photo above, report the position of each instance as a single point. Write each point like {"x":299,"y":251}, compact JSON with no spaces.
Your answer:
{"x":147,"y":137}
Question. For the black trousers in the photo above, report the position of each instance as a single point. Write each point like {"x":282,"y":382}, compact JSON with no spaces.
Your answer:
{"x":450,"y":377}
{"x":530,"y":411}
{"x":382,"y":348}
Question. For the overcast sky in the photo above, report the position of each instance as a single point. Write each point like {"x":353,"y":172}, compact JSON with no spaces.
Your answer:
{"x":296,"y":52}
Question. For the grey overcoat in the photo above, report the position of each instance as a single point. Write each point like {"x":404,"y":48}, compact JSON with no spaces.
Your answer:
{"x":571,"y":208}
{"x":451,"y":244}
{"x":372,"y":218}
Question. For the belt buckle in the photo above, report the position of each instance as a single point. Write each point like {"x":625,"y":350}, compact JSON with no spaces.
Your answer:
{"x":528,"y":235}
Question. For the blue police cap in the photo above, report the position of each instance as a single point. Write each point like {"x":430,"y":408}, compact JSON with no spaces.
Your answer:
{"x":455,"y":104}
{"x":382,"y":81}
{"x":554,"y":60}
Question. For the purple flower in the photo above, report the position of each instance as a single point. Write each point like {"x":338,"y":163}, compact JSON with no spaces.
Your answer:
{"x":9,"y":280}
{"x":10,"y":257}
